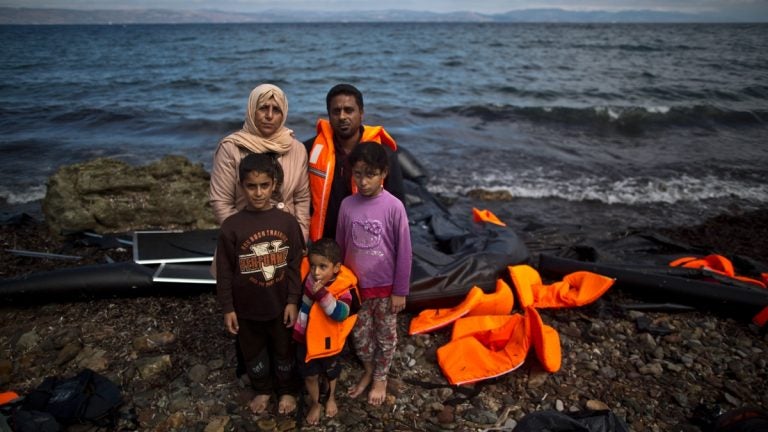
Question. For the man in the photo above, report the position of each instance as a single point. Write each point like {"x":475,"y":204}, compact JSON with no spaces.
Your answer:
{"x":330,"y":179}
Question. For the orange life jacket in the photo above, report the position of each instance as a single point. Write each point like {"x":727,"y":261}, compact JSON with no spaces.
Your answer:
{"x":502,"y":342}
{"x":326,"y":337}
{"x":545,"y":341}
{"x":717,"y":264}
{"x":499,"y":347}
{"x":486,"y":216}
{"x":484,"y":345}
{"x":476,"y":302}
{"x":576,"y":289}
{"x":8,"y":396}
{"x":322,"y":162}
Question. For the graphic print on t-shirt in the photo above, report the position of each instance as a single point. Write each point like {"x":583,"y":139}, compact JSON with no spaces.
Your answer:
{"x":266,"y":256}
{"x":366,"y":236}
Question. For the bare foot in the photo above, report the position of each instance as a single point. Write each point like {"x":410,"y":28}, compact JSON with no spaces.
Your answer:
{"x":361,"y":385}
{"x":378,"y":393}
{"x":331,"y":409}
{"x":287,"y":404}
{"x":259,"y":404}
{"x":313,"y":416}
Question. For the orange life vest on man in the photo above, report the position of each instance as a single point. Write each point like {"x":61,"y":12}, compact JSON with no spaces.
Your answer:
{"x":326,"y":337}
{"x":322,"y":162}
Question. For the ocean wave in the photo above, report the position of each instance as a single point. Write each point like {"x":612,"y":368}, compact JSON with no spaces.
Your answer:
{"x":628,"y":119}
{"x":634,"y":47}
{"x":629,"y":191}
{"x":27,"y":195}
{"x":99,"y":116}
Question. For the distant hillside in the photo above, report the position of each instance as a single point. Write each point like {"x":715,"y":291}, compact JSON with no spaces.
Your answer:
{"x":166,"y":16}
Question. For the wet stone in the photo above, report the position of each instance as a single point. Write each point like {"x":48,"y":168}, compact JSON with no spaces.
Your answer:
{"x":198,"y":373}
{"x":68,"y":352}
{"x":28,"y":341}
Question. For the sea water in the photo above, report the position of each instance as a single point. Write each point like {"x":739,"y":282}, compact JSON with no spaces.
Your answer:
{"x":600,"y":125}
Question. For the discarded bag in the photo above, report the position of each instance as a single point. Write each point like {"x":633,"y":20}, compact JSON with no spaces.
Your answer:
{"x":581,"y":421}
{"x":87,"y":397}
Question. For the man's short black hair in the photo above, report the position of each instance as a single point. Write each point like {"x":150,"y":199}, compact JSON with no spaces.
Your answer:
{"x":343,"y":89}
{"x":328,"y":248}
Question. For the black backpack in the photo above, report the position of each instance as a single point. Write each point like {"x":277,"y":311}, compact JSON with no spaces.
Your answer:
{"x":88,"y":397}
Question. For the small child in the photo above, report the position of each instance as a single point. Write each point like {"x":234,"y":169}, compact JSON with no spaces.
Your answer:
{"x":258,"y":258}
{"x":324,"y":323}
{"x":373,"y":232}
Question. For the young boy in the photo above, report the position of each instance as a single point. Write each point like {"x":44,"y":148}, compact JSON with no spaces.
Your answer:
{"x":258,"y":258}
{"x":324,"y":323}
{"x":376,"y":243}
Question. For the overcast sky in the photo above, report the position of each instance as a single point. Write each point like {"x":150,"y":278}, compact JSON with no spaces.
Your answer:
{"x":758,"y":7}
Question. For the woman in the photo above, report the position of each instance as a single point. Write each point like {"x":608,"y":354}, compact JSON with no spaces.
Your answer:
{"x":264,"y":131}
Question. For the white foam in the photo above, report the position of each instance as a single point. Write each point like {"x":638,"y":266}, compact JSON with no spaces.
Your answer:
{"x":616,"y":112}
{"x":629,"y":190}
{"x":32,"y":193}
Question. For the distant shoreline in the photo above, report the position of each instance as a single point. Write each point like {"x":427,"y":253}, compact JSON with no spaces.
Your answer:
{"x":51,"y":16}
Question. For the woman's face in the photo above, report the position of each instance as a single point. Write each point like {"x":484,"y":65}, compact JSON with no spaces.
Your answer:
{"x":268,"y":117}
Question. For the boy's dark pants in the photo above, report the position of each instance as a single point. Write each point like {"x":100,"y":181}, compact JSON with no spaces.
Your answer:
{"x":268,"y":351}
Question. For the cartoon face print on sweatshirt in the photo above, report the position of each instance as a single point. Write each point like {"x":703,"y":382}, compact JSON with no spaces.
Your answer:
{"x":366,"y":235}
{"x":264,"y":254}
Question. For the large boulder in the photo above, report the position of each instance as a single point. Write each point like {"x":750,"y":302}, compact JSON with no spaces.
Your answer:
{"x":107,"y":195}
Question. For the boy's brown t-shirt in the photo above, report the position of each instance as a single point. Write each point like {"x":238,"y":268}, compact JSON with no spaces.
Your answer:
{"x":258,"y":260}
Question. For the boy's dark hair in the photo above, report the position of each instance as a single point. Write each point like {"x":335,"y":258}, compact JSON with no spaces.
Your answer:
{"x":326,"y":247}
{"x":370,"y":153}
{"x":345,"y":89}
{"x":263,"y":163}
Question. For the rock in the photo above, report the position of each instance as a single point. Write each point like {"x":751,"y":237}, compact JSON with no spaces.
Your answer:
{"x":608,"y":372}
{"x":446,"y":415}
{"x":151,"y":367}
{"x":286,"y":425}
{"x":596,"y":405}
{"x":173,"y":422}
{"x":537,"y":378}
{"x":179,"y":400}
{"x":106,"y":195}
{"x":92,"y":358}
{"x":68,"y":352}
{"x":266,"y":424}
{"x":153,"y":341}
{"x":217,"y":424}
{"x":28,"y":340}
{"x":60,"y":339}
{"x":198,"y":373}
{"x":481,"y":416}
{"x":654,"y":369}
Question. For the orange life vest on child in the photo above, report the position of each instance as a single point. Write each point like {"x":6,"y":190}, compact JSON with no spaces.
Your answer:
{"x":326,"y":337}
{"x":322,"y":162}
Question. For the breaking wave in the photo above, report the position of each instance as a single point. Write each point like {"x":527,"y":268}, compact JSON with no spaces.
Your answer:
{"x":630,"y":190}
{"x":622,"y":118}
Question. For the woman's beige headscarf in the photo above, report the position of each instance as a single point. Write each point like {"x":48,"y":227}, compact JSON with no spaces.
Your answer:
{"x":249,"y":136}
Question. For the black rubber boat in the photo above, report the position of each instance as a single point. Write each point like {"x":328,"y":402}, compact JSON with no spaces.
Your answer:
{"x":693,"y":287}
